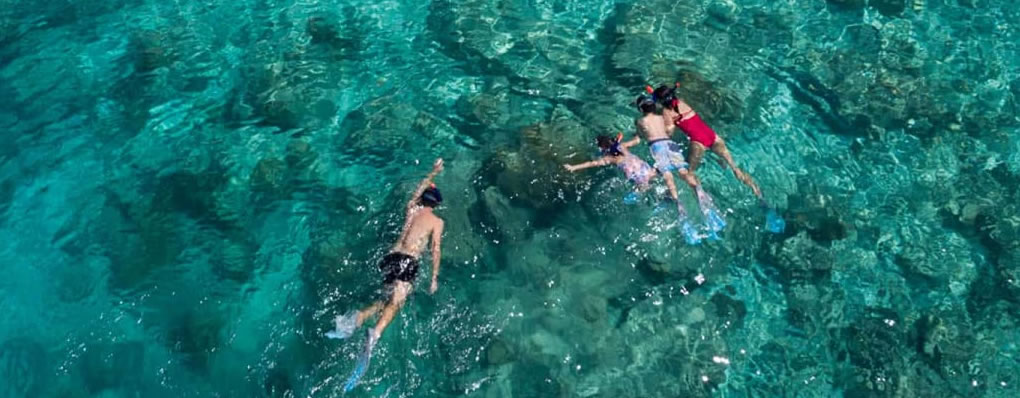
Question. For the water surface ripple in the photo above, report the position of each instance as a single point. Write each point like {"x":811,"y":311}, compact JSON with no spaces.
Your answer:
{"x":190,"y":191}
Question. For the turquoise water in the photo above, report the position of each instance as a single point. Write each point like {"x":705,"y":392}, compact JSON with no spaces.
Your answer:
{"x":191,"y":191}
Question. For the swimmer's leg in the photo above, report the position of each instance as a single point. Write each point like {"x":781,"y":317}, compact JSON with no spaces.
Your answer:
{"x":400,"y":291}
{"x":347,"y":323}
{"x":689,"y":177}
{"x":695,"y":154}
{"x":668,"y":177}
{"x":720,"y":149}
{"x":369,"y":311}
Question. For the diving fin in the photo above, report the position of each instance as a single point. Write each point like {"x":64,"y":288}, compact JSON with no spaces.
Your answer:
{"x":345,"y":325}
{"x":713,"y":220}
{"x":774,"y":222}
{"x":691,"y":234}
{"x":362,"y":365}
{"x":631,"y":198}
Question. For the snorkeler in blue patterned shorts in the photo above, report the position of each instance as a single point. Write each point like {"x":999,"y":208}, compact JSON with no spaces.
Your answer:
{"x":400,"y":268}
{"x":669,"y":158}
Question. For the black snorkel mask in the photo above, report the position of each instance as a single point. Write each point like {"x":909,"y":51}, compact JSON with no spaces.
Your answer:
{"x":643,"y":100}
{"x":432,"y":197}
{"x":614,"y":150}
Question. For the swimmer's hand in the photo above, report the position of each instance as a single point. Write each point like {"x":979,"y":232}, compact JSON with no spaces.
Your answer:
{"x":437,"y":166}
{"x":434,"y":287}
{"x":570,"y":167}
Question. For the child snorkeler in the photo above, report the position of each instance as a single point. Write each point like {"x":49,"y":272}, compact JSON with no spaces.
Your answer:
{"x":616,"y":152}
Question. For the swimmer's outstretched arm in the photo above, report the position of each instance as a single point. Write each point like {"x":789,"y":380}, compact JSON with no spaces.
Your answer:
{"x":587,"y":165}
{"x":437,"y":238}
{"x":633,"y":141}
{"x":425,"y":183}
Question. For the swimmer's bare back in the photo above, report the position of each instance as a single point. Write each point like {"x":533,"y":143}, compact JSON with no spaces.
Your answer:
{"x":653,"y":127}
{"x":421,"y":224}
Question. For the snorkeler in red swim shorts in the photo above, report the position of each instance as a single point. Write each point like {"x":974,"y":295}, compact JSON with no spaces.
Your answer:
{"x":702,"y":137}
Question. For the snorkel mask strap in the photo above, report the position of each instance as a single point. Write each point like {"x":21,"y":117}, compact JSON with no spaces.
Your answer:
{"x":616,"y":145}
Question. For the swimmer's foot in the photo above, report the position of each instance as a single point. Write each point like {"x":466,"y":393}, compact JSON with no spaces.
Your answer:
{"x":363,"y":360}
{"x":345,"y":325}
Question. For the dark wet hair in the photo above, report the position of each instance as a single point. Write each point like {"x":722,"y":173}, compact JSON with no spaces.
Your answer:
{"x":608,"y":145}
{"x":664,"y":94}
{"x":431,"y":197}
{"x":645,"y":103}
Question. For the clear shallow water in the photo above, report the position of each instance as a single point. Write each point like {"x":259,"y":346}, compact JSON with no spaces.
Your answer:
{"x":191,"y":191}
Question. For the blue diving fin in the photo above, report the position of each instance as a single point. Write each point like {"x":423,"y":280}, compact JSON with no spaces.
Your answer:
{"x":774,"y":222}
{"x":362,"y":365}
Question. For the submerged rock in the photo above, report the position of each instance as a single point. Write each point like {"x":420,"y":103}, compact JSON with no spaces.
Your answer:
{"x":533,"y":176}
{"x":234,"y":260}
{"x":849,"y":4}
{"x":79,"y":280}
{"x":339,"y":35}
{"x":545,"y":55}
{"x":800,"y":255}
{"x":945,"y":262}
{"x":113,"y":365}
{"x":269,"y":174}
{"x":875,"y":348}
{"x":154,"y":49}
{"x":943,"y":341}
{"x":196,"y":336}
{"x":1009,"y":270}
{"x":22,"y":368}
{"x":900,"y":50}
{"x":499,"y":353}
{"x":594,"y":309}
{"x":712,"y":99}
{"x":889,"y":8}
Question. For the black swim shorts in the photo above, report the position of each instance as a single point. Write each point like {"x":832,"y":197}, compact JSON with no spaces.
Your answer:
{"x":398,"y":267}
